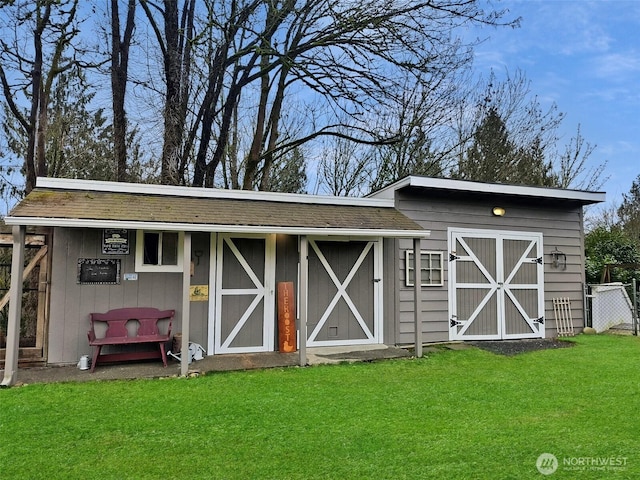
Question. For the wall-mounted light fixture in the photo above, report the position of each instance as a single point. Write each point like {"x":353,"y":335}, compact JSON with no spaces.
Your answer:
{"x":498,"y":211}
{"x":558,"y":259}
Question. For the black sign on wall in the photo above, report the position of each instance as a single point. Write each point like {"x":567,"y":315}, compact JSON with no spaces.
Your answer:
{"x":115,"y":241}
{"x":99,"y":271}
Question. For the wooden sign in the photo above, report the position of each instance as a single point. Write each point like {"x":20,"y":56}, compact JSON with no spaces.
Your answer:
{"x":286,"y":318}
{"x":199,"y":293}
{"x":115,"y":242}
{"x":98,"y":271}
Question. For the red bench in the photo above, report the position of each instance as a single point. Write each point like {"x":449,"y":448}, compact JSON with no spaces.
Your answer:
{"x":119,"y":325}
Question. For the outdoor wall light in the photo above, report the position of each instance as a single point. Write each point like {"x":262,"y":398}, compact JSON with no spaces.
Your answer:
{"x":499,"y":211}
{"x":558,"y":259}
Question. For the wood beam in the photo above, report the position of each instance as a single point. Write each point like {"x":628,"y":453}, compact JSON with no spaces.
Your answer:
{"x":15,"y":307}
{"x":303,"y":300}
{"x":186,"y":305}
{"x":417,"y":296}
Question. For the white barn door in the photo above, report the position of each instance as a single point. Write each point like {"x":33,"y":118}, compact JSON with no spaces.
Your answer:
{"x":244,"y":294}
{"x":496,"y":287}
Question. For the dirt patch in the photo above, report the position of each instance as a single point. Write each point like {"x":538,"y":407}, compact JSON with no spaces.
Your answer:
{"x":515,"y":347}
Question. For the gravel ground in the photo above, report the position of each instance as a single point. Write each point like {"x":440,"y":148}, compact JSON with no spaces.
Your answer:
{"x":514,"y":347}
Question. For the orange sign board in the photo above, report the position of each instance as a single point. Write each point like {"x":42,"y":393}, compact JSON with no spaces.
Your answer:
{"x":286,"y":318}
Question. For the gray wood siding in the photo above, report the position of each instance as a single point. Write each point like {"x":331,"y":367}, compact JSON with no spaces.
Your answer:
{"x":199,"y":311}
{"x":72,"y":303}
{"x":287,"y":260}
{"x":561,"y":226}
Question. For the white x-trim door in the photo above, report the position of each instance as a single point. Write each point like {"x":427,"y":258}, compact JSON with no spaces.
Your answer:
{"x":345,"y":285}
{"x":496,"y":286}
{"x":244,"y":294}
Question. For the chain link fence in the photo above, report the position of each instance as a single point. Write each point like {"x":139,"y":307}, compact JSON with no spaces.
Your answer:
{"x":612,"y":306}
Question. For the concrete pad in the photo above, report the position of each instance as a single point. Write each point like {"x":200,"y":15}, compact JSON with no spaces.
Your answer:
{"x":353,"y":353}
{"x":212,"y":363}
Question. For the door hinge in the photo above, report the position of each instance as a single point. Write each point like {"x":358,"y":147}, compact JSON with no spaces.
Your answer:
{"x":540,"y":320}
{"x":454,"y":323}
{"x":537,"y":260}
{"x":453,"y":256}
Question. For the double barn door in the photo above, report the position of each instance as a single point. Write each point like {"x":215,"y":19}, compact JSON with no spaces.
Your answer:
{"x":344,"y":293}
{"x":496,"y":288}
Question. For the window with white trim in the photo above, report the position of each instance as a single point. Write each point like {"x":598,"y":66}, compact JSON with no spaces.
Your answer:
{"x":430,"y":268}
{"x":159,"y":251}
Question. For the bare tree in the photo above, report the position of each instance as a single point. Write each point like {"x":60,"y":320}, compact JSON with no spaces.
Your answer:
{"x":120,"y":47}
{"x":28,"y":72}
{"x":574,"y":170}
{"x":352,"y":56}
{"x":505,"y":135}
{"x":175,"y":34}
{"x":342,"y":169}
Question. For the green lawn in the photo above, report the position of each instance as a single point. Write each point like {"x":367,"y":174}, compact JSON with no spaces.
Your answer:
{"x":452,"y":414}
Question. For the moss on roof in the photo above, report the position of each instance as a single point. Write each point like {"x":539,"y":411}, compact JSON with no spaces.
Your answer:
{"x":131,"y":207}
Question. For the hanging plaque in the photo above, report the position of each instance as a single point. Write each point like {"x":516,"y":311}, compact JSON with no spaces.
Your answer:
{"x":115,"y":241}
{"x":98,"y":271}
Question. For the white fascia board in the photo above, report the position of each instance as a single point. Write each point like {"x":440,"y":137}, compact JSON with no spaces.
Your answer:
{"x":191,"y":227}
{"x":198,"y":192}
{"x":389,"y":191}
{"x":498,"y":188}
{"x":494,"y":188}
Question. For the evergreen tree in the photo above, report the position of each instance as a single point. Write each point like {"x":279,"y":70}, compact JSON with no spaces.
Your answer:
{"x":629,"y":211}
{"x":493,"y":157}
{"x":288,"y":174}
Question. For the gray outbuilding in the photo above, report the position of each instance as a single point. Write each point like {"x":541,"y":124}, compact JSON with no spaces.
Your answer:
{"x":492,"y":258}
{"x":216,"y":257}
{"x":496,"y":258}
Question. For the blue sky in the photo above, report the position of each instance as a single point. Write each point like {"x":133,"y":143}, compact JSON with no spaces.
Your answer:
{"x":585,"y":57}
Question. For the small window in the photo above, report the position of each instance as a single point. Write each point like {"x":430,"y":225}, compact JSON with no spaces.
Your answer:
{"x":159,"y":251}
{"x":430,"y":268}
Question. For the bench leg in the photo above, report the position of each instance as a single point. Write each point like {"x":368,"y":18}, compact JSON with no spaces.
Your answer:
{"x":96,"y":354}
{"x":163,"y":353}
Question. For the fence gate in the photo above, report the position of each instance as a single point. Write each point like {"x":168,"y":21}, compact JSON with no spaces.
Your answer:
{"x":35,"y":297}
{"x":610,"y":307}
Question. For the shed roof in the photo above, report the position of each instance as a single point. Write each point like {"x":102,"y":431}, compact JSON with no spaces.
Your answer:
{"x":431,"y":184}
{"x":92,"y":204}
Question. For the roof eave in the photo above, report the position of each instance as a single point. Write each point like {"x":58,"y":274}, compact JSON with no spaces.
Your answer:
{"x":197,"y":192}
{"x":581,"y":196}
{"x":192,"y":227}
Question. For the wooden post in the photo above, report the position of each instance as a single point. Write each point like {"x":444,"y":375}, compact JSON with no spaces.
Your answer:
{"x":417,"y":296}
{"x":303,"y":299}
{"x":15,"y":307}
{"x":186,"y":305}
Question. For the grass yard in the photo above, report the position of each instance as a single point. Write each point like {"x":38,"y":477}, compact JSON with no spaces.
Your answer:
{"x":466,"y":414}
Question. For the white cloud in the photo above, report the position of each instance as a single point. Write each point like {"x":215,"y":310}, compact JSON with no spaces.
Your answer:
{"x":615,"y":65}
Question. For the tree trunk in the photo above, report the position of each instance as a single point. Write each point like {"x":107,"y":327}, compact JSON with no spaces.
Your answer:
{"x":119,"y":76}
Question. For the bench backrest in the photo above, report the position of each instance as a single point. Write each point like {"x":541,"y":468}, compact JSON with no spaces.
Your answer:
{"x":118,"y":318}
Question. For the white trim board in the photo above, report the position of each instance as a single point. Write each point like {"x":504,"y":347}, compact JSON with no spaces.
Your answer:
{"x":197,"y":192}
{"x":205,"y":227}
{"x":582,"y":196}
